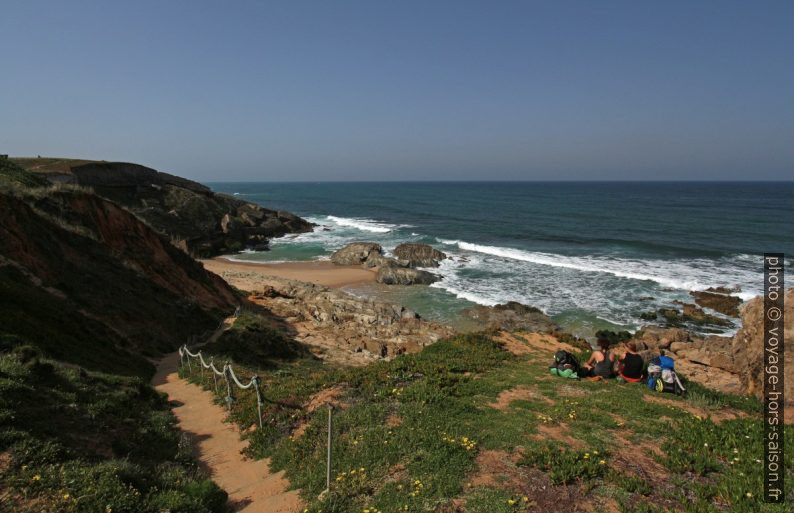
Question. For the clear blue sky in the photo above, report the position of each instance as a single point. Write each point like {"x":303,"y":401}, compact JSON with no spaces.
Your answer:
{"x":338,"y":90}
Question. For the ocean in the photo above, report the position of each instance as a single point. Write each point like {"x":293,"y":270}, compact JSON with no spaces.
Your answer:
{"x":592,"y":255}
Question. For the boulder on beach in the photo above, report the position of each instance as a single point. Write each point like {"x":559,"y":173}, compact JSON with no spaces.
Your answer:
{"x":419,"y":255}
{"x":378,"y":260}
{"x":393,"y":275}
{"x":512,"y":316}
{"x":391,"y":271}
{"x":356,"y":253}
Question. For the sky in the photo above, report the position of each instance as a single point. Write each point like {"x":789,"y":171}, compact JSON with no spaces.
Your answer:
{"x":427,"y":90}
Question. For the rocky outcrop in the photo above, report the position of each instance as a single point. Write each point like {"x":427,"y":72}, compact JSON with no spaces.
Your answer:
{"x":393,"y":275}
{"x":196,"y":219}
{"x":689,"y":316}
{"x":357,"y":253}
{"x":748,"y":346}
{"x":707,"y":361}
{"x":351,"y":329}
{"x":419,"y":255}
{"x":511,"y":316}
{"x":379,"y":261}
{"x":719,"y":300}
{"x":391,"y":271}
{"x":729,"y":364}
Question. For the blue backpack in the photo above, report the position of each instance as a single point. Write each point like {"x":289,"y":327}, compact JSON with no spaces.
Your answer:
{"x":662,"y":376}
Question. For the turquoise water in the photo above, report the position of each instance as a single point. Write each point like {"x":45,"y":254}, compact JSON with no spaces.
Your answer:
{"x":589,"y":254}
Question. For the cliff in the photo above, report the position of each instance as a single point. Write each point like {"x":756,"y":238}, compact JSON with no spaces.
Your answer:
{"x":196,"y":219}
{"x":89,"y":283}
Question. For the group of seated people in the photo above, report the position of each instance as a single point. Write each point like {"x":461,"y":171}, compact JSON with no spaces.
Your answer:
{"x":630,"y":366}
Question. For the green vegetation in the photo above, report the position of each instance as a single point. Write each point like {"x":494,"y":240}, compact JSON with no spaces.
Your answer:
{"x":422,"y":433}
{"x":13,"y":175}
{"x":614,"y":337}
{"x":254,"y":341}
{"x":77,"y":441}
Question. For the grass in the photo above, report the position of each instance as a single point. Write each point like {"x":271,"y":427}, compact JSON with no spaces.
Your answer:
{"x":13,"y":175}
{"x":411,"y":431}
{"x":77,"y":441}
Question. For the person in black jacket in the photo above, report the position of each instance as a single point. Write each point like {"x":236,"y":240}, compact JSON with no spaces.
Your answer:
{"x":631,"y":366}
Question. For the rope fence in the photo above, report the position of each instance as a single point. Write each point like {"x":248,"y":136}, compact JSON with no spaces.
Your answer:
{"x":227,"y":373}
{"x":186,"y":356}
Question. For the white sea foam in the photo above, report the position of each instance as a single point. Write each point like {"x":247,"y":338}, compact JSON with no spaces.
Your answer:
{"x":607,"y":287}
{"x":693,"y":274}
{"x":367,"y":225}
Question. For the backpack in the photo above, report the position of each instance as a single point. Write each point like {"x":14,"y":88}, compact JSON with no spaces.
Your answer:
{"x":662,"y":376}
{"x":565,"y":360}
{"x":565,"y":365}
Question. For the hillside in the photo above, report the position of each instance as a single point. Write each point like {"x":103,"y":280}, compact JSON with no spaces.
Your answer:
{"x":200,"y":221}
{"x":89,"y":296}
{"x":476,"y":424}
{"x":91,"y":284}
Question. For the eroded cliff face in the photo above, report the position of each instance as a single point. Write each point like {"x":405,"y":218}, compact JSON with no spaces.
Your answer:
{"x":748,"y":346}
{"x":91,"y":284}
{"x":196,"y":219}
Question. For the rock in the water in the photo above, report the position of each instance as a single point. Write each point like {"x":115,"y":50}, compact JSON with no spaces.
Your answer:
{"x":512,"y":316}
{"x":356,"y":253}
{"x":691,"y":314}
{"x":392,"y":275}
{"x":419,"y":255}
{"x":719,"y":300}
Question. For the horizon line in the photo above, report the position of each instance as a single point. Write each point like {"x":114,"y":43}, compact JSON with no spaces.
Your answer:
{"x":500,"y":181}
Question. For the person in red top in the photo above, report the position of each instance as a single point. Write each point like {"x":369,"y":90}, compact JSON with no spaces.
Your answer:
{"x":631,"y":366}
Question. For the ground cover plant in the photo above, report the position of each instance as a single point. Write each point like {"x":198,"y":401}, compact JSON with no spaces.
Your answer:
{"x":79,"y":441}
{"x":467,"y":426}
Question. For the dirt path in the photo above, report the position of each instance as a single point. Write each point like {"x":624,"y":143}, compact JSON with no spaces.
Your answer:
{"x":252,"y":488}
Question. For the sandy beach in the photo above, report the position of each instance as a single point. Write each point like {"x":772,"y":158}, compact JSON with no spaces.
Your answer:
{"x":319,"y":272}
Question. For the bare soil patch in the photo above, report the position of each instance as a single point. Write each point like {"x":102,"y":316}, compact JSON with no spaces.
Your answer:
{"x":560,"y":433}
{"x":515,"y":394}
{"x":716,"y":416}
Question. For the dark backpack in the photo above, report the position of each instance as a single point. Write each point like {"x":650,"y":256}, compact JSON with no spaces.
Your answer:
{"x":565,"y":360}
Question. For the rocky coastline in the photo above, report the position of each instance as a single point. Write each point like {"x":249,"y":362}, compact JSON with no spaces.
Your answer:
{"x":196,"y":219}
{"x":398,"y":270}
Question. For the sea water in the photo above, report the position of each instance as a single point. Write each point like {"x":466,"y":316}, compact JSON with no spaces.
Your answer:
{"x":591,"y":255}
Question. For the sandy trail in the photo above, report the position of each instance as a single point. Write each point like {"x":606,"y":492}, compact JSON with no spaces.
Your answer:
{"x":252,"y":488}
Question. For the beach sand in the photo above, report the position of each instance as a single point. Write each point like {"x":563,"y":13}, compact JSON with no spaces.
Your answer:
{"x":319,"y":272}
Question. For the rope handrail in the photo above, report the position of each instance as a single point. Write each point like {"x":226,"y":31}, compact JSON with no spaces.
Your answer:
{"x":227,"y":372}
